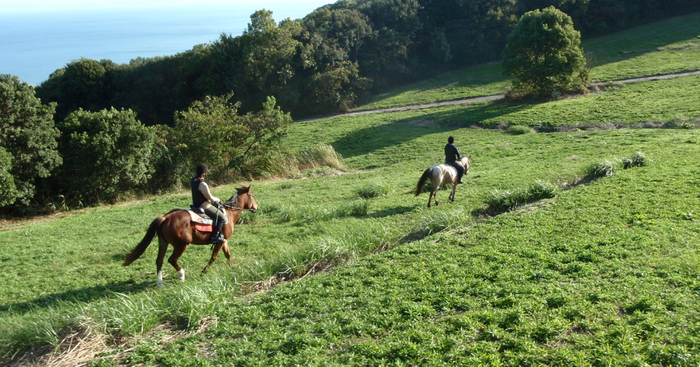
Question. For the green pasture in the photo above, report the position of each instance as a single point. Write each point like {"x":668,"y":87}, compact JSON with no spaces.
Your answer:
{"x":605,"y":272}
{"x":63,"y":269}
{"x":664,"y":47}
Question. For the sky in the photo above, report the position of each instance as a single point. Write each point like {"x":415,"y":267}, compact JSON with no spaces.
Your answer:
{"x":33,"y":6}
{"x":38,"y":37}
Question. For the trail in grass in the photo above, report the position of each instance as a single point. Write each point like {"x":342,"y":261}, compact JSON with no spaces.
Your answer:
{"x":493,"y":97}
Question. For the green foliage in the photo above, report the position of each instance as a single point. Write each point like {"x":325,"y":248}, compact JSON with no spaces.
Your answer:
{"x":8,"y":191}
{"x":502,"y":200}
{"x":105,"y":153}
{"x":637,"y":160}
{"x":212,"y":132}
{"x":605,"y":168}
{"x":28,"y":147}
{"x":544,"y":54}
{"x":373,"y":190}
{"x":519,"y":129}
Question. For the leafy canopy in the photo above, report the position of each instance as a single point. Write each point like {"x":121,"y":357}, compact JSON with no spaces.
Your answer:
{"x":28,"y":147}
{"x":544,"y":53}
{"x":212,"y":132}
{"x":106,"y":153}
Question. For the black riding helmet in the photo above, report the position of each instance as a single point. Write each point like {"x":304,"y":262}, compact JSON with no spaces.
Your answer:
{"x":202,"y":169}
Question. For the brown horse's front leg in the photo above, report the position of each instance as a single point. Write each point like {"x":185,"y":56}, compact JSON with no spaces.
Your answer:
{"x":217,"y":248}
{"x":452,"y":195}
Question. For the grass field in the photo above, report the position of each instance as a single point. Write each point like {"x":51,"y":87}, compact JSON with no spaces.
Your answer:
{"x":674,"y":46}
{"x":603,"y":272}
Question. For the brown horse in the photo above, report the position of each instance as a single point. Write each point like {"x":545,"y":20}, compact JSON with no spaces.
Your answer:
{"x":441,"y":174}
{"x":176,"y":228}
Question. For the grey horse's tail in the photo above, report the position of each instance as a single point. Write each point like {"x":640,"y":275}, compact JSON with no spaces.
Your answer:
{"x":141,"y":247}
{"x":422,"y":180}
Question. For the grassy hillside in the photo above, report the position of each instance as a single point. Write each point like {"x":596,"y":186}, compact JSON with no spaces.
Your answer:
{"x":604,"y":272}
{"x":664,"y":47}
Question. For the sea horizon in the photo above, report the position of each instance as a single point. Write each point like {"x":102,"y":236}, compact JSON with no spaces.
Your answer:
{"x":35,"y":44}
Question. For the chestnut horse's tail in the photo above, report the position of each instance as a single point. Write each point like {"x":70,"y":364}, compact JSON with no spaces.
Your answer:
{"x":422,"y":180}
{"x":143,"y":245}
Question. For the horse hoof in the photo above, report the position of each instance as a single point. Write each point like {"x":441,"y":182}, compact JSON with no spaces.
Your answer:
{"x":160,"y":285}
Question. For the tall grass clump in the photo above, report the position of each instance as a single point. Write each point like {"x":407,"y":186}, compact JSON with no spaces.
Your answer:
{"x":605,"y":168}
{"x":504,"y":200}
{"x":637,"y":160}
{"x":321,"y":156}
{"x":519,"y":129}
{"x":435,"y":221}
{"x":373,"y":190}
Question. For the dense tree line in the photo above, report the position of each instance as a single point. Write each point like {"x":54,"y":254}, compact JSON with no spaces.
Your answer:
{"x":96,"y":129}
{"x":331,"y":58}
{"x":97,"y":157}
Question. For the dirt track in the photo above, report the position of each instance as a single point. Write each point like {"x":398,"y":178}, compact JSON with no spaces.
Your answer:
{"x":493,"y":97}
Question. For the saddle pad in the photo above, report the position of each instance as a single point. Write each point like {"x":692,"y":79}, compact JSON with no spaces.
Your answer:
{"x":196,"y":218}
{"x":203,"y":227}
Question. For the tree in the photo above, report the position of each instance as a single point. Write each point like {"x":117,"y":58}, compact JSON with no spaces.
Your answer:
{"x":106,"y":153}
{"x":543,"y":52}
{"x":212,"y":132}
{"x":28,"y":146}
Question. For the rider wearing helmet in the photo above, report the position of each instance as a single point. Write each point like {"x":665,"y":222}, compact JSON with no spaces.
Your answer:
{"x":452,"y":157}
{"x":202,"y":198}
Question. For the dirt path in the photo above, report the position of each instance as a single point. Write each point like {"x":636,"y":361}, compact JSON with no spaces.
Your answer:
{"x":494,"y":97}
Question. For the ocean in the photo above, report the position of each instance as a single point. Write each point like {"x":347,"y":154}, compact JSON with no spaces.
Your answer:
{"x":34,"y":45}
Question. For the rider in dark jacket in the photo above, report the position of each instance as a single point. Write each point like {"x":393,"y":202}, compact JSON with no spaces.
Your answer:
{"x":452,"y":157}
{"x":202,"y":198}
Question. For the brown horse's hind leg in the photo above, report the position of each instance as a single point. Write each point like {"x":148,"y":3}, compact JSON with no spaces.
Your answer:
{"x":162,"y":248}
{"x":436,"y":200}
{"x":227,"y":253}
{"x":178,"y":250}
{"x":215,"y":253}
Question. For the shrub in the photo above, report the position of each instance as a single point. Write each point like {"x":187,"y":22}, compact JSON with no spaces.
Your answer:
{"x":319,"y":156}
{"x":372,"y":190}
{"x":501,"y":200}
{"x":105,"y":154}
{"x":605,"y":168}
{"x":28,"y":146}
{"x":543,"y":53}
{"x":519,"y":129}
{"x":212,"y":132}
{"x":637,"y":160}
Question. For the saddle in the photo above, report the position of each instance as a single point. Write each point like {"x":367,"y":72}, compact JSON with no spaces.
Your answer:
{"x":199,"y":219}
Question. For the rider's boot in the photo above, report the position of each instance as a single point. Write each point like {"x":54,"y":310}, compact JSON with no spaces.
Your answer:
{"x":217,"y":235}
{"x":459,"y":179}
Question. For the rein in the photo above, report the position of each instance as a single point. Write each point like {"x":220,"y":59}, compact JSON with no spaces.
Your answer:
{"x":227,"y":206}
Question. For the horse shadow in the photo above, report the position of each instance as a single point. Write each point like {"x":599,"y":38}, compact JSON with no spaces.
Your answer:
{"x":83,"y":295}
{"x":393,"y":211}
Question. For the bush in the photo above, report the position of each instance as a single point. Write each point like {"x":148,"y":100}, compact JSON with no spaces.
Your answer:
{"x":106,"y":154}
{"x":637,"y":160}
{"x":605,"y":168}
{"x":212,"y":132}
{"x":28,"y":146}
{"x":501,"y":200}
{"x":543,"y":53}
{"x":373,"y":190}
{"x":519,"y":129}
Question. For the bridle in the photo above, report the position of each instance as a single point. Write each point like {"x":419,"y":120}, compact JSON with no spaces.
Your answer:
{"x":225,"y":205}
